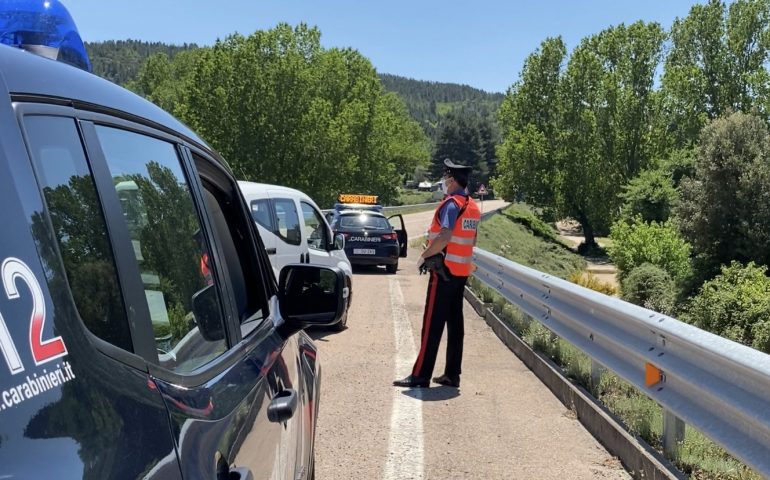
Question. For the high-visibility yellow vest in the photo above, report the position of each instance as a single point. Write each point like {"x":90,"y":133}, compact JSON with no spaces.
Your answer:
{"x":459,"y":251}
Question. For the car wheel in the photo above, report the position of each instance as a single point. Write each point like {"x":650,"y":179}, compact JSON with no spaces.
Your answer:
{"x":343,"y":323}
{"x":392,"y":268}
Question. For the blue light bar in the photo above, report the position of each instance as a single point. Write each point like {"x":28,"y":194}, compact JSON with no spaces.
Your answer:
{"x":44,"y":27}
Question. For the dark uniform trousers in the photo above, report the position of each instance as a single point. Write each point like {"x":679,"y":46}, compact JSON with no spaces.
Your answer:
{"x":444,"y":305}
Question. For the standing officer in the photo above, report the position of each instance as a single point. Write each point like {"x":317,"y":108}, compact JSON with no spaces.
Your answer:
{"x":453,"y":234}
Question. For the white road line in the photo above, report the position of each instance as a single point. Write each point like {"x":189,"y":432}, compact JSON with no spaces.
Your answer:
{"x":405,"y":450}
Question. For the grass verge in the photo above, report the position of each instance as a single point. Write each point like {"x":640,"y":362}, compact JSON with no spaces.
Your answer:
{"x":412,"y":197}
{"x":530,"y":242}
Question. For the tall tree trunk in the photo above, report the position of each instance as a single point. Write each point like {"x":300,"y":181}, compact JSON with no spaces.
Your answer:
{"x":588,"y":232}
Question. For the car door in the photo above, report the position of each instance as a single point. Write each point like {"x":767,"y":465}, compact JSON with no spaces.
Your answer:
{"x":88,"y":401}
{"x":317,"y":235}
{"x":397,"y":222}
{"x":288,"y":228}
{"x":217,"y":360}
{"x":262,"y":213}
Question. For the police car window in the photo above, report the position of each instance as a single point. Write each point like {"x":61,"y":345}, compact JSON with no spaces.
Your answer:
{"x":315,"y":227}
{"x":232,"y":228}
{"x":288,"y":221}
{"x":260,"y":212}
{"x":170,"y":249}
{"x":79,"y":227}
{"x":362,"y":220}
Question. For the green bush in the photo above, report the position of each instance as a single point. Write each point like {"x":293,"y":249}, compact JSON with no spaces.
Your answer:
{"x":651,"y":196}
{"x":650,"y":287}
{"x":657,"y":243}
{"x":735,"y":305}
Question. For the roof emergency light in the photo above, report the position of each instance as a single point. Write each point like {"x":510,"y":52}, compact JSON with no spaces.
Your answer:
{"x":354,"y":198}
{"x":44,"y":27}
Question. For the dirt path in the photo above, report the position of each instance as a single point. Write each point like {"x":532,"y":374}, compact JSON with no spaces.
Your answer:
{"x":572,"y":235}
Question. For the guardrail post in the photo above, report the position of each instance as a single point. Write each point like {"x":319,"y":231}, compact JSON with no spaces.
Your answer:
{"x":673,"y":434}
{"x":555,"y":347}
{"x":596,"y":375}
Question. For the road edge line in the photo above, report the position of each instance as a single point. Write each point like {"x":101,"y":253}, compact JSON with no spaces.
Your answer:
{"x":406,"y":443}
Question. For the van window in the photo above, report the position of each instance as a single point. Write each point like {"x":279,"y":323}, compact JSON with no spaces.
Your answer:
{"x":315,"y":227}
{"x":172,"y":253}
{"x":79,"y":227}
{"x":288,"y":221}
{"x":260,"y":212}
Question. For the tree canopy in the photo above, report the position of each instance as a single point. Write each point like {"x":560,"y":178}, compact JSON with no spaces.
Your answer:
{"x":574,"y":135}
{"x":282,"y":109}
{"x":725,"y":208}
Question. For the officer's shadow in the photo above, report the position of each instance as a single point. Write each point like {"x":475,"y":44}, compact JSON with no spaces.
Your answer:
{"x":433,"y":394}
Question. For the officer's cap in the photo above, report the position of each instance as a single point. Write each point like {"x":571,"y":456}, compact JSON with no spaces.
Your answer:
{"x":454,"y":168}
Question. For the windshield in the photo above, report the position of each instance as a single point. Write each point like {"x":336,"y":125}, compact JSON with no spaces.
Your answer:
{"x":364,"y":220}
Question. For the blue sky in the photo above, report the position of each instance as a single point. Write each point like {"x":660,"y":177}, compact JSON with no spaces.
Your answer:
{"x":481,"y":43}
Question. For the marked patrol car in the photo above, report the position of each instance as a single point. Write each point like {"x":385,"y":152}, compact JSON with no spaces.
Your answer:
{"x":142,"y":330}
{"x":370,"y":237}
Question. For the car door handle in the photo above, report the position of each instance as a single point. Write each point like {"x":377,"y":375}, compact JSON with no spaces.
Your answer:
{"x":270,"y":251}
{"x":282,"y":406}
{"x":241,"y":473}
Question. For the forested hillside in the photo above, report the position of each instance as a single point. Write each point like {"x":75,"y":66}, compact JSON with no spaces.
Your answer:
{"x":429,"y":101}
{"x":119,"y":61}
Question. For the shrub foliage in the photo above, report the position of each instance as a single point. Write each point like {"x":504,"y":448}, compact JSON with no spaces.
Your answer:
{"x":636,"y":243}
{"x":735,"y":305}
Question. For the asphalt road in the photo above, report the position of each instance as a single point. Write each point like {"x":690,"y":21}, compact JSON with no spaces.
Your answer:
{"x":501,"y":424}
{"x":417,"y":223}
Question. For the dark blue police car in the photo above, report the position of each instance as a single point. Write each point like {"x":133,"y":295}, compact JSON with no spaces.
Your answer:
{"x":142,"y":331}
{"x":370,"y":237}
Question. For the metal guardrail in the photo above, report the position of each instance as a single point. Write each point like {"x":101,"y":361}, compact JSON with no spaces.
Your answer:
{"x":418,"y":207}
{"x":401,"y":208}
{"x":718,"y":386}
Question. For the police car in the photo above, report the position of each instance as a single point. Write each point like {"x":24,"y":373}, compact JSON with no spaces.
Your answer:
{"x":142,"y":330}
{"x":371,"y":238}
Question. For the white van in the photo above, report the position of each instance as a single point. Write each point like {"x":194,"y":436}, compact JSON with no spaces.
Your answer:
{"x":294,"y":230}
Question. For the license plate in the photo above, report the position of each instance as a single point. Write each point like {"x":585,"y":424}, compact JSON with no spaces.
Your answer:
{"x":363,"y":251}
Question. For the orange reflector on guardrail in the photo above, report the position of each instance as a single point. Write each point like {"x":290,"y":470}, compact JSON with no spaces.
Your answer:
{"x":652,"y":374}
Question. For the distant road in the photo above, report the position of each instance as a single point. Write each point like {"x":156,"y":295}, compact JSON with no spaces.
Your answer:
{"x":417,"y":223}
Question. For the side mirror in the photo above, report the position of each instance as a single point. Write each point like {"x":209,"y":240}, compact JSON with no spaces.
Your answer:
{"x":205,"y":307}
{"x":339,"y":241}
{"x":311,"y":295}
